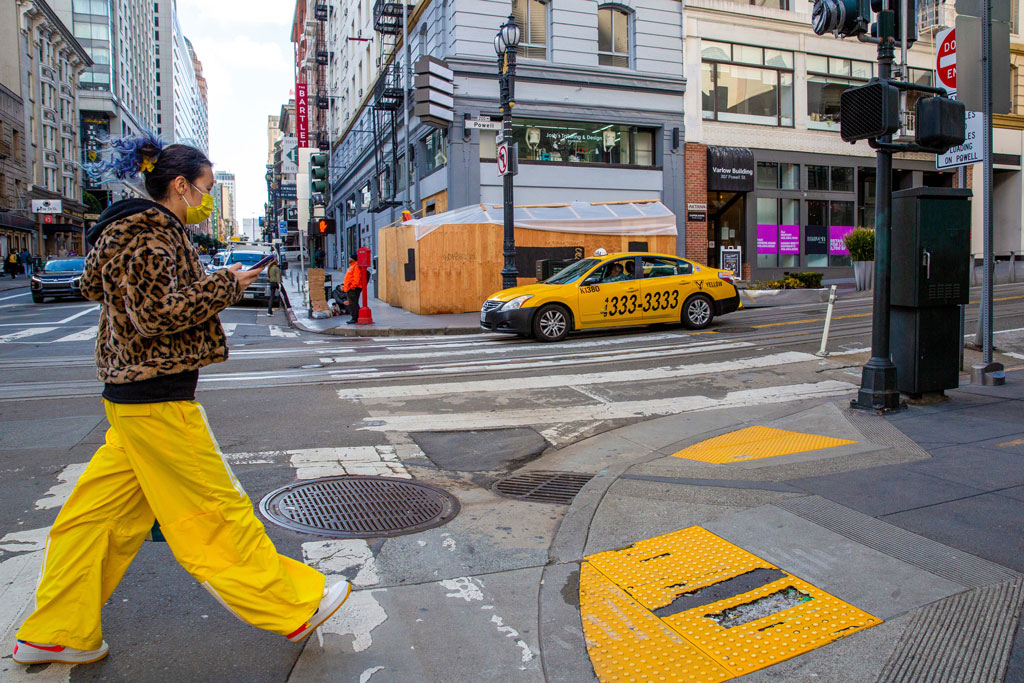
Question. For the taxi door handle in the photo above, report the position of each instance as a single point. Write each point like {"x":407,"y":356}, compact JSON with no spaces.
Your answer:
{"x":633,"y":289}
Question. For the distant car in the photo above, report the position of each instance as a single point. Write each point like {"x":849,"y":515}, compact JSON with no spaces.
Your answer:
{"x":291,"y":253}
{"x":259,"y":290}
{"x":205,"y":259}
{"x":59,"y":278}
{"x":614,"y":290}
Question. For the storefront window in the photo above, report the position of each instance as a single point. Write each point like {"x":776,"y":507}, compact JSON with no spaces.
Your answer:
{"x":747,"y":84}
{"x":842,"y":179}
{"x":827,"y":79}
{"x":778,"y":176}
{"x":436,"y":145}
{"x":817,"y":178}
{"x":778,"y":232}
{"x":816,"y":235}
{"x":580,"y":142}
{"x":840,"y":224}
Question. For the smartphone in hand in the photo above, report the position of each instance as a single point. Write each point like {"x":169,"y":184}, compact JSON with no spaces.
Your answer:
{"x":263,"y":262}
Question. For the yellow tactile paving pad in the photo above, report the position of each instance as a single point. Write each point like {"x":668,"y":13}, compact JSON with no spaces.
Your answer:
{"x":626,"y":641}
{"x":754,"y":443}
{"x":660,"y":569}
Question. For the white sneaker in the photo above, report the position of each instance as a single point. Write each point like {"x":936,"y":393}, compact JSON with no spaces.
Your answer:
{"x":37,"y":653}
{"x":333,"y":599}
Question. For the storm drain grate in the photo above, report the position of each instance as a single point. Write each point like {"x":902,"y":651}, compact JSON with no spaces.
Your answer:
{"x":543,"y":487}
{"x":359,"y":507}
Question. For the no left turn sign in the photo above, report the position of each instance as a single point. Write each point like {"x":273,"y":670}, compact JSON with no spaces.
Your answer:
{"x":503,"y":158}
{"x":945,"y":59}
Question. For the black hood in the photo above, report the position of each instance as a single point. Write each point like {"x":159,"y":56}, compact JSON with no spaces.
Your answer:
{"x":119,"y":211}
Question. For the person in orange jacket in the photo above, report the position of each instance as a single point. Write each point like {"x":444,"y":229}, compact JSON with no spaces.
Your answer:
{"x":355,"y":280}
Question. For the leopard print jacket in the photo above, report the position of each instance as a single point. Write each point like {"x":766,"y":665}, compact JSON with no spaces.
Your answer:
{"x":159,"y":312}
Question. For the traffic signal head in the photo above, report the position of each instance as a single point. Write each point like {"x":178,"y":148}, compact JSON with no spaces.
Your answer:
{"x":869,"y":111}
{"x":840,"y":17}
{"x":318,"y":173}
{"x":325,"y":226}
{"x":898,"y":7}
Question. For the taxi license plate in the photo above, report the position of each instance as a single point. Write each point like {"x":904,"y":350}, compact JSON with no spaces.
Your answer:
{"x":483,"y":316}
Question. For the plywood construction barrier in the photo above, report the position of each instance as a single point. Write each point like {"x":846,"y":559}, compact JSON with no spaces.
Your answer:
{"x":454,"y":267}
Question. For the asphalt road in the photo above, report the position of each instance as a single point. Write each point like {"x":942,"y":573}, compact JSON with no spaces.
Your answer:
{"x":459,"y":412}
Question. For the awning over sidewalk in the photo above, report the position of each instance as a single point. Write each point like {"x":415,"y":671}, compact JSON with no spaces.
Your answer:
{"x":730,"y":169}
{"x":61,"y":227}
{"x":614,"y":218}
{"x":13,"y":221}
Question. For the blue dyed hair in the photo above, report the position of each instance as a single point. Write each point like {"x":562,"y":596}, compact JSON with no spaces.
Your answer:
{"x":125,"y":158}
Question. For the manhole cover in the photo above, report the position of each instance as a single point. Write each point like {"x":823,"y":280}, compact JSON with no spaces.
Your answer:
{"x":359,"y":507}
{"x":543,"y":487}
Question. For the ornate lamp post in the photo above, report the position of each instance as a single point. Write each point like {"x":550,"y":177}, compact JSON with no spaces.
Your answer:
{"x":505,"y":43}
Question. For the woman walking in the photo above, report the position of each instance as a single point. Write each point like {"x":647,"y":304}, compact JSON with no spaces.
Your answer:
{"x":158,"y":325}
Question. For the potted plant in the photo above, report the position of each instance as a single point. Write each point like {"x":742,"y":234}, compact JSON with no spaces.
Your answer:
{"x":861,"y":245}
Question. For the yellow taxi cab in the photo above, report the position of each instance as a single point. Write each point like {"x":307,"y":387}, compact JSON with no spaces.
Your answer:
{"x":614,"y":290}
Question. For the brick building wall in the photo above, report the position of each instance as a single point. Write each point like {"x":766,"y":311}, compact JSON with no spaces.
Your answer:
{"x":696,"y":193}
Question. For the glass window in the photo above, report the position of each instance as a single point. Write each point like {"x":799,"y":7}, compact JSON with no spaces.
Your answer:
{"x":767,"y":175}
{"x":716,"y":52}
{"x":816,"y":234}
{"x":778,"y":58}
{"x":839,"y":67}
{"x":612,"y":37}
{"x":842,"y":179}
{"x":748,"y":54}
{"x":436,"y":145}
{"x":583,"y":142}
{"x":789,"y":234}
{"x":531,"y":17}
{"x":767,"y":232}
{"x":790,"y":176}
{"x":707,"y":90}
{"x":817,"y":64}
{"x":653,"y":266}
{"x":746,"y":94}
{"x":619,"y":270}
{"x":817,"y":178}
{"x":840,"y":223}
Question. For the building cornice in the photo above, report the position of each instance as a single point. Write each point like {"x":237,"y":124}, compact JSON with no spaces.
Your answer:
{"x":43,"y":8}
{"x":1008,"y":121}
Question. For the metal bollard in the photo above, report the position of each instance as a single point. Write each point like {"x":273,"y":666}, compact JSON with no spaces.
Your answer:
{"x":1013,"y":266}
{"x":828,"y":323}
{"x":974,"y":274}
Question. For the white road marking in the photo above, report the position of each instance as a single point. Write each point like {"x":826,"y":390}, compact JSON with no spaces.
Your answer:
{"x":508,"y":343}
{"x":589,"y":393}
{"x":87,"y":334}
{"x":59,"y":492}
{"x":463,"y":588}
{"x":562,"y":435}
{"x":229,"y":329}
{"x":607,"y":411}
{"x":554,"y":381}
{"x":312,"y":463}
{"x":358,"y":618}
{"x":1011,"y":354}
{"x":366,"y":675}
{"x":14,"y":296}
{"x":278,"y":331}
{"x":23,"y":334}
{"x":334,"y":557}
{"x":76,"y":316}
{"x":25,"y":541}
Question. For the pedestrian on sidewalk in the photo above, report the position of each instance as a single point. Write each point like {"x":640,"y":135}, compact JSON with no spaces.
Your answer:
{"x":355,"y":280}
{"x":320,"y":254}
{"x":12,"y":264}
{"x":26,"y":261}
{"x":158,"y":325}
{"x":274,"y":275}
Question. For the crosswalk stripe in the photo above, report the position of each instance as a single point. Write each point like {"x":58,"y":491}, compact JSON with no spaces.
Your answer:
{"x":278,"y":331}
{"x":586,"y":379}
{"x":85,"y":335}
{"x":23,"y":334}
{"x":507,"y":342}
{"x":530,"y":417}
{"x":229,"y":328}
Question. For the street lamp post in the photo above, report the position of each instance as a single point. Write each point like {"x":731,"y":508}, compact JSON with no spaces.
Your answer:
{"x":505,"y":43}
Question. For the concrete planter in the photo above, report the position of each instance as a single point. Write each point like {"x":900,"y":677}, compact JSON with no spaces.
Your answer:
{"x":864,"y":274}
{"x":761,"y":298}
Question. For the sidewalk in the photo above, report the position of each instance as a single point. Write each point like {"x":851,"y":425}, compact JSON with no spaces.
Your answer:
{"x":786,"y":542}
{"x":6,"y":283}
{"x":387,"y":320}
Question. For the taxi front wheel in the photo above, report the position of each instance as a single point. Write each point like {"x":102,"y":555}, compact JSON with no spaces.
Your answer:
{"x":550,"y":323}
{"x":698,"y":312}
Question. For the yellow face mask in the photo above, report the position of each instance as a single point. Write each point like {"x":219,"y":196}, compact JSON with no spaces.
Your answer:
{"x":198,"y":214}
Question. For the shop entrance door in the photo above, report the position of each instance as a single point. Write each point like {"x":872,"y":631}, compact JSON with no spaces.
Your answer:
{"x":727,"y":224}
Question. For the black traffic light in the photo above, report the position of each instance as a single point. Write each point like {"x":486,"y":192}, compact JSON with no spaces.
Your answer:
{"x":318,"y":173}
{"x":840,"y":17}
{"x":869,"y":111}
{"x":325,"y":226}
{"x":897,"y":8}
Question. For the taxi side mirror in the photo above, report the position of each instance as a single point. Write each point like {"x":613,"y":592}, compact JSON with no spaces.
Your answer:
{"x":592,"y":280}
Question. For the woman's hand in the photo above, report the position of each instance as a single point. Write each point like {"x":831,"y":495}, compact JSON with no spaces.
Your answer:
{"x":244,"y":277}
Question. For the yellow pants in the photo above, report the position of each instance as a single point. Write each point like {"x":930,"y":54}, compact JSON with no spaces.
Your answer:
{"x":162,"y":459}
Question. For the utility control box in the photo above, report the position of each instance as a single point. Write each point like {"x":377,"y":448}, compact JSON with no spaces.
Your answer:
{"x":931,"y":232}
{"x":931,"y":247}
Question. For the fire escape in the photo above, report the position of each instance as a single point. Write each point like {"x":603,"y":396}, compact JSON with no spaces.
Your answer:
{"x":388,"y":99}
{"x":321,"y":12}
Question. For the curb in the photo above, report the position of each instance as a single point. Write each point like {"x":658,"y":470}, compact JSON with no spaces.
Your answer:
{"x":373,"y":330}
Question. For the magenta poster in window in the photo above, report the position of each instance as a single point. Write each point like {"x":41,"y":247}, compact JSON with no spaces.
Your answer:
{"x":789,"y":239}
{"x":837,"y":239}
{"x":767,"y":239}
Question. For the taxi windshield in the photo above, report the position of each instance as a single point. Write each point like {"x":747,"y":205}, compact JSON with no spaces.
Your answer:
{"x":246,"y":258}
{"x":573,"y":272}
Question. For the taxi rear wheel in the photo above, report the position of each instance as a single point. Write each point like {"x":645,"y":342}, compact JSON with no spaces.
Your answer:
{"x":550,"y":323}
{"x":698,"y":312}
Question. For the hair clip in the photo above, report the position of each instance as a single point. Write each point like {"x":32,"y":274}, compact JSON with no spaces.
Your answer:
{"x":147,"y":165}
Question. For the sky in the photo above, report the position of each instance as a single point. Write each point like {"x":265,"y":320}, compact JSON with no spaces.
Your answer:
{"x":248,"y":61}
